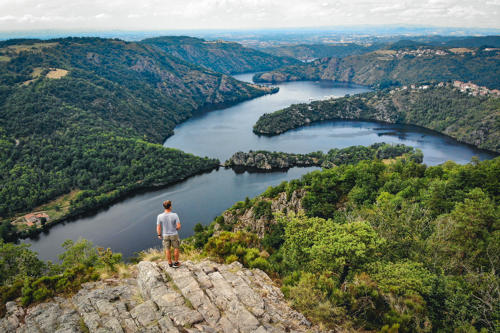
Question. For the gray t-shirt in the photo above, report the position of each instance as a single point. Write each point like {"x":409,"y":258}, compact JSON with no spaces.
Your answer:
{"x":168,"y":223}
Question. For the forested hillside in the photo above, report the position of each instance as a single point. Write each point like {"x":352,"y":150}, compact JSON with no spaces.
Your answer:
{"x":308,"y":52}
{"x":443,"y":108}
{"x":396,"y":247}
{"x":220,"y":56}
{"x":478,"y":41}
{"x":89,"y":115}
{"x":399,"y":66}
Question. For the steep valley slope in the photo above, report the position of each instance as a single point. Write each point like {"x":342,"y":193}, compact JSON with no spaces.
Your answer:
{"x":399,"y":66}
{"x":220,"y":56}
{"x":87,"y":116}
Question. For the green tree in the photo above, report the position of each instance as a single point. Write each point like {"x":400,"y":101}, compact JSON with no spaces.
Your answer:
{"x":18,"y":262}
{"x":81,"y":252}
{"x":323,"y":245}
{"x":469,"y":237}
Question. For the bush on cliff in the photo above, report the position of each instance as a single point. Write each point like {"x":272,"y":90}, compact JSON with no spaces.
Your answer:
{"x":397,"y":247}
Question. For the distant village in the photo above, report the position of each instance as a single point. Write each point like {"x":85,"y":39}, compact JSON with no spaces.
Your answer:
{"x":420,"y":53}
{"x":474,"y":89}
{"x":465,"y":87}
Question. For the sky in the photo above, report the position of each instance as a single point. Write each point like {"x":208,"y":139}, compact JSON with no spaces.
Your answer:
{"x":242,"y":14}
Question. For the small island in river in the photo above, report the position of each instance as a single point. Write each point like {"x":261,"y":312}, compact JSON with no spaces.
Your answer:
{"x":268,"y":161}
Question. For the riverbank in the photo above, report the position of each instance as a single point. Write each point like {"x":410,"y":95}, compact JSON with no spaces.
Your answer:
{"x":443,"y":108}
{"x":60,"y":209}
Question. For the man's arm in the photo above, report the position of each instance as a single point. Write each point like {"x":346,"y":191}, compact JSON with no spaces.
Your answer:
{"x":178,"y":226}
{"x":158,"y":227}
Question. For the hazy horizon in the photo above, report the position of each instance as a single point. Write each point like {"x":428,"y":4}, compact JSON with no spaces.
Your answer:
{"x":303,"y":34}
{"x":93,"y":15}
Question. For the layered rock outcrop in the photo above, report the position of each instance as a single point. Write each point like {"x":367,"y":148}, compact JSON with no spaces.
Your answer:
{"x":248,"y":220}
{"x":197,"y":297}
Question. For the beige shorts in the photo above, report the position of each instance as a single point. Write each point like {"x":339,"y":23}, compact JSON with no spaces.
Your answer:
{"x":171,"y":241}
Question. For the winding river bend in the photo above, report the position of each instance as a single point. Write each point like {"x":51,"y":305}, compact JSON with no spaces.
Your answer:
{"x":129,"y":226}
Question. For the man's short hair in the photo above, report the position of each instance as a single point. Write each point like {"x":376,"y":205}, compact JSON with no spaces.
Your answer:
{"x":167,"y":204}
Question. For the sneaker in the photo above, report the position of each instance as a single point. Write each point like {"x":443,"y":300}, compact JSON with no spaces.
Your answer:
{"x":170,"y":264}
{"x":176,"y":264}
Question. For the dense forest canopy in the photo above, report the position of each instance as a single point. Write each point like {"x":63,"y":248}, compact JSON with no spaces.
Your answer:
{"x":443,"y":108}
{"x":220,"y":56}
{"x":90,"y":115}
{"x":375,"y":246}
{"x":384,"y":247}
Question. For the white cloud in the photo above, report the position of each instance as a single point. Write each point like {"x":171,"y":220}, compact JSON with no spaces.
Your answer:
{"x":102,"y":16}
{"x":199,"y":14}
{"x":7,"y":18}
{"x":391,"y":8}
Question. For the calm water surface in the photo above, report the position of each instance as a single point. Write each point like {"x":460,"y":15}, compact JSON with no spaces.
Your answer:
{"x":129,"y":226}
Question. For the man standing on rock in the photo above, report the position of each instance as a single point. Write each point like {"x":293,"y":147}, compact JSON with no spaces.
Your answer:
{"x":167,"y":225}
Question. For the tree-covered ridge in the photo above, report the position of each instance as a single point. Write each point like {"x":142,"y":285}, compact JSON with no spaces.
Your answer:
{"x":126,"y":83}
{"x":307,"y":52}
{"x":90,"y":115}
{"x":383,"y":247}
{"x":388,"y":67}
{"x":266,"y":160}
{"x":443,"y":108}
{"x":220,"y":56}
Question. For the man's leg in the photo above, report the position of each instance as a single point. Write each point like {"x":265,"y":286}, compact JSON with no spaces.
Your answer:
{"x":167,"y":243}
{"x":168,"y":256}
{"x":176,"y":254}
{"x":176,"y":244}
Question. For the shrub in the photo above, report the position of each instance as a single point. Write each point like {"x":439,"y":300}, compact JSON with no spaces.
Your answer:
{"x":310,"y":295}
{"x":227,"y":242}
{"x":80,"y":252}
{"x":274,"y":237}
{"x":260,"y":263}
{"x":262,"y":209}
{"x":18,"y":262}
{"x":237,"y":246}
{"x":203,"y":233}
{"x":231,"y":258}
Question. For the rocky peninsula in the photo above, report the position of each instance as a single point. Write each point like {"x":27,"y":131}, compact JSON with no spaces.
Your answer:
{"x":457,"y":112}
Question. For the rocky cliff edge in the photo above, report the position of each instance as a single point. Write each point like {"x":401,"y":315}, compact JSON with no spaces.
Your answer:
{"x":197,"y":297}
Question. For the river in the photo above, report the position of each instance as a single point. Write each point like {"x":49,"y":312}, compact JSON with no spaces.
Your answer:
{"x":129,"y":225}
